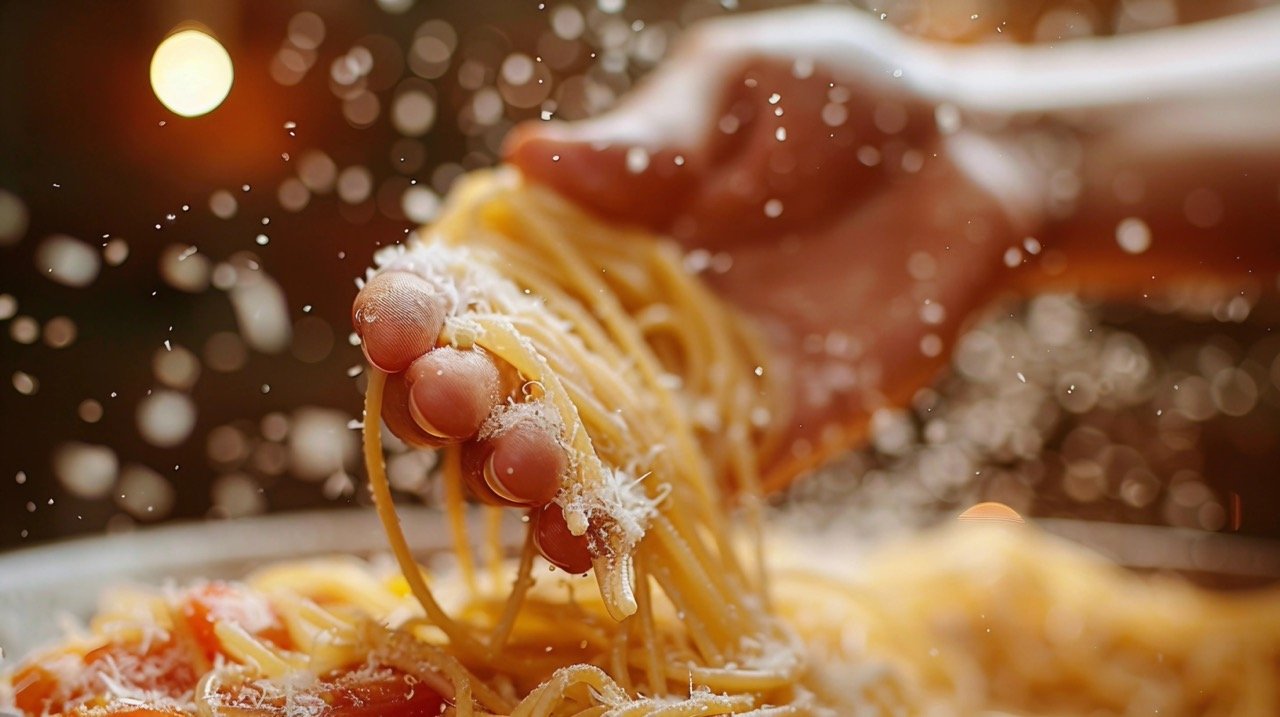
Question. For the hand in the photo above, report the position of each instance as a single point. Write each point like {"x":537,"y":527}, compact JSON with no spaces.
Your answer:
{"x":799,"y":155}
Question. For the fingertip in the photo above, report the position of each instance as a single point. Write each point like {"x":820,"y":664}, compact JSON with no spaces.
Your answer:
{"x":398,"y":318}
{"x":398,"y":417}
{"x":569,"y":552}
{"x":546,"y":154}
{"x":525,"y":465}
{"x":620,"y":179}
{"x":452,"y":391}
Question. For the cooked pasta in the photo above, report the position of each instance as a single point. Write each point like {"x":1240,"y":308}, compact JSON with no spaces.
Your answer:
{"x":658,"y":394}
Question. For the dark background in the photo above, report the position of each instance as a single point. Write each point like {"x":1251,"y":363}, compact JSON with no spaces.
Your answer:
{"x":91,"y":153}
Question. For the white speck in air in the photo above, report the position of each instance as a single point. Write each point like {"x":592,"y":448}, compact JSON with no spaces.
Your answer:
{"x":223,"y":204}
{"x":932,"y":313}
{"x":1012,"y":257}
{"x":931,"y":345}
{"x":1032,"y":245}
{"x":24,"y":330}
{"x":14,"y":218}
{"x":947,"y":116}
{"x":921,"y":266}
{"x":780,"y":134}
{"x":262,"y":239}
{"x":834,"y":114}
{"x":1021,"y":377}
{"x":912,"y":161}
{"x":420,"y":204}
{"x":773,"y":208}
{"x":67,"y":260}
{"x":774,"y":98}
{"x":87,"y":471}
{"x":165,"y":418}
{"x":1133,"y":235}
{"x":678,"y":160}
{"x":868,"y":155}
{"x":637,"y":160}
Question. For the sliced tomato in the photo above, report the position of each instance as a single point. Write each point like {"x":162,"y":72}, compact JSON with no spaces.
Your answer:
{"x":160,"y":668}
{"x":205,"y":605}
{"x":389,"y":696}
{"x":34,"y":690}
{"x":165,"y":666}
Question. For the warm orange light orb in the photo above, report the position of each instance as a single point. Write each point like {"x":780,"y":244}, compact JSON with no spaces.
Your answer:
{"x":191,"y":73}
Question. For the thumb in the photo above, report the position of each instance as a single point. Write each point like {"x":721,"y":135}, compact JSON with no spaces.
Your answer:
{"x":619,"y":180}
{"x":640,"y":161}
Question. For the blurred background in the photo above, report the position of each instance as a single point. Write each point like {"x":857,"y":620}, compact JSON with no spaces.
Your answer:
{"x":175,"y":340}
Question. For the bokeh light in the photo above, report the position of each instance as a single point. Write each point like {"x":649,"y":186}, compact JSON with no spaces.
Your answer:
{"x":191,"y":73}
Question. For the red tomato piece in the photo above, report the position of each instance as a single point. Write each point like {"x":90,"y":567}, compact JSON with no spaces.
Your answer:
{"x":221,"y":602}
